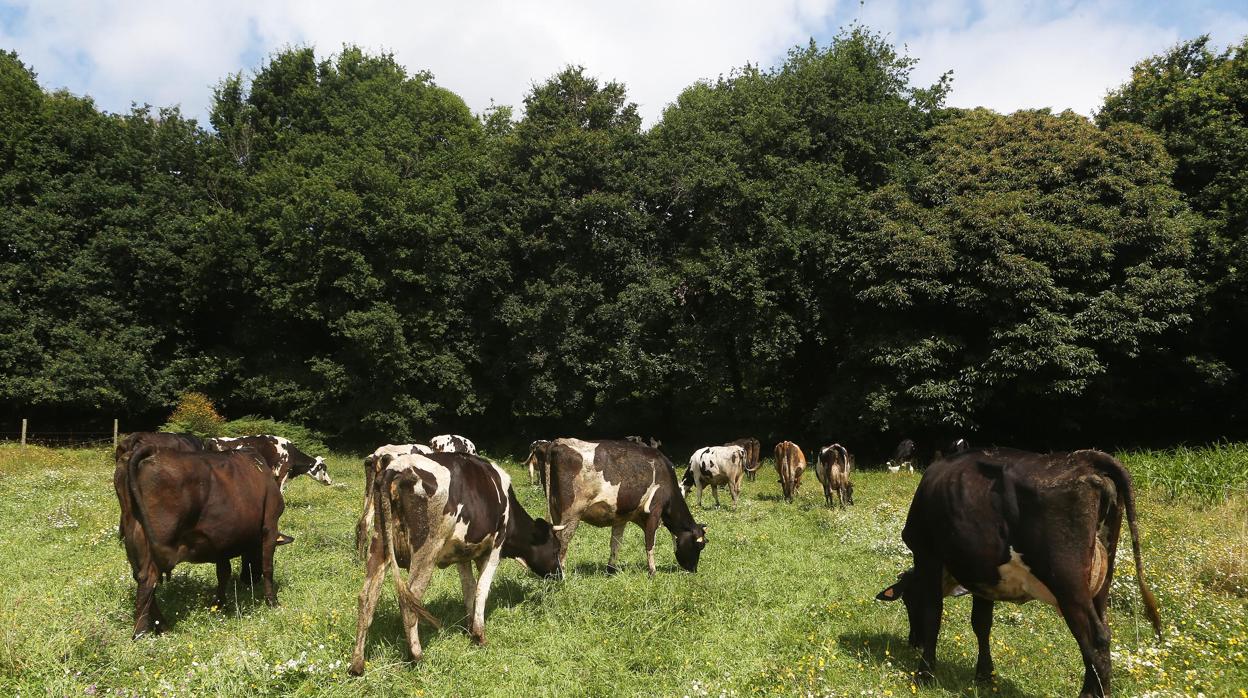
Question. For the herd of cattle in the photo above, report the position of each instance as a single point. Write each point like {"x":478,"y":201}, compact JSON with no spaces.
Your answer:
{"x":1000,"y":524}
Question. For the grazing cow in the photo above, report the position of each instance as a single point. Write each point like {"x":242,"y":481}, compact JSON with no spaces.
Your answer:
{"x":752,"y":450}
{"x":442,"y":509}
{"x":200,"y":507}
{"x":651,"y":442}
{"x":833,"y":471}
{"x":283,"y":458}
{"x":1014,"y":526}
{"x":903,"y":457}
{"x":450,"y":443}
{"x":128,"y":529}
{"x":610,"y":483}
{"x":715,"y":466}
{"x":536,"y":462}
{"x":372,"y":466}
{"x":790,"y":462}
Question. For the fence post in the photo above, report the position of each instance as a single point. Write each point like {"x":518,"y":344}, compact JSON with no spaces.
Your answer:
{"x":114,"y":433}
{"x":23,"y":431}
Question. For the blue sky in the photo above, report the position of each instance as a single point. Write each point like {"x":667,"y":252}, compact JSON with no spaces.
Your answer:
{"x":1005,"y":55}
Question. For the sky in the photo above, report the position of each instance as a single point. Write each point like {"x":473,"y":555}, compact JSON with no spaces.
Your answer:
{"x":1004,"y":55}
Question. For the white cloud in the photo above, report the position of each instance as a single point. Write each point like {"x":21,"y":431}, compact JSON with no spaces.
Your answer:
{"x":166,"y":52}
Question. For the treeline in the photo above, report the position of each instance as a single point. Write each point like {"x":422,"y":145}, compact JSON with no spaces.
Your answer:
{"x":817,"y":250}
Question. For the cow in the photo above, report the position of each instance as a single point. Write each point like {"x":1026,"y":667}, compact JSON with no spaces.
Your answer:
{"x":651,"y":441}
{"x":437,"y":510}
{"x":1009,"y":525}
{"x":372,"y":466}
{"x":903,"y":457}
{"x":128,"y":528}
{"x":833,"y":471}
{"x":790,"y":462}
{"x":610,"y":483}
{"x":283,"y":458}
{"x":450,"y":443}
{"x":536,"y":462}
{"x":200,"y":507}
{"x":715,"y":466}
{"x":752,"y":449}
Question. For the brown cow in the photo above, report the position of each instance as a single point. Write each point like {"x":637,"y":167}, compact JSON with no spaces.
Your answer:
{"x":833,"y":471}
{"x":200,"y":507}
{"x":128,"y":529}
{"x":790,"y":462}
{"x":373,"y":466}
{"x":1014,"y":526}
{"x":752,"y":452}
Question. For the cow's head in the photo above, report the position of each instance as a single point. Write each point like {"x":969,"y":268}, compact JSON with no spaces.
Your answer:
{"x":543,"y":555}
{"x":319,"y":472}
{"x":898,"y":591}
{"x":686,"y":482}
{"x":689,"y":545}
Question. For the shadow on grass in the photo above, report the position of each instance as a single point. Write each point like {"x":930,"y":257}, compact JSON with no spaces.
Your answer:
{"x":952,"y":673}
{"x":184,"y":593}
{"x":599,"y":569}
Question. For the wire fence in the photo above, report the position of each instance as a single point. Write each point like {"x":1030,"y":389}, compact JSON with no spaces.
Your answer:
{"x":60,"y":439}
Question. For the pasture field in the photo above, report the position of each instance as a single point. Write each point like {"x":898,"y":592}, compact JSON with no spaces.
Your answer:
{"x":782,"y":604}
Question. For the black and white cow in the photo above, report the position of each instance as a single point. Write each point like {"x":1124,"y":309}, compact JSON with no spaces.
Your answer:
{"x":903,"y":457}
{"x":651,"y":441}
{"x":609,"y":484}
{"x":450,"y":443}
{"x":833,"y":471}
{"x":1014,"y":526}
{"x":536,"y":462}
{"x":372,"y":466}
{"x":715,"y":466}
{"x":446,"y":509}
{"x":283,"y":458}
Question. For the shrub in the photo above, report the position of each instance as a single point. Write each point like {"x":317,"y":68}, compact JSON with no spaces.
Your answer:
{"x":195,"y":414}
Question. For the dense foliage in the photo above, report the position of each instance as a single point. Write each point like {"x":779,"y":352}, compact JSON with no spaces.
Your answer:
{"x":818,"y":250}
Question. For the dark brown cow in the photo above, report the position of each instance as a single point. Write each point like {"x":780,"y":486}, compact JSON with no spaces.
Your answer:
{"x":790,"y":462}
{"x":833,"y":471}
{"x":1013,"y":526}
{"x":128,"y":529}
{"x":610,"y":483}
{"x":442,"y":509}
{"x":199,"y":507}
{"x":752,"y":451}
{"x":283,"y":458}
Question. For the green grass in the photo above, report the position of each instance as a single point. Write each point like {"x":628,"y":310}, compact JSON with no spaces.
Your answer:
{"x":781,"y":604}
{"x":1210,"y":473}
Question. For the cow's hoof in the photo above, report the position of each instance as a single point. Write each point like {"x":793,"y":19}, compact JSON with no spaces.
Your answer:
{"x":478,"y":640}
{"x":272,"y":602}
{"x":356,"y":668}
{"x":924,"y":677}
{"x":612,"y":569}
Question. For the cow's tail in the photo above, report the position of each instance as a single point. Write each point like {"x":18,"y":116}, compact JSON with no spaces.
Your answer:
{"x":385,"y":514}
{"x":1126,"y":493}
{"x":132,"y":483}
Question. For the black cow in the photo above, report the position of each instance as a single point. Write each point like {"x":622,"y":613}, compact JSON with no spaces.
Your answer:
{"x":610,"y":483}
{"x":199,"y":507}
{"x":1013,"y":526}
{"x":437,"y":510}
{"x":903,"y":457}
{"x":283,"y":459}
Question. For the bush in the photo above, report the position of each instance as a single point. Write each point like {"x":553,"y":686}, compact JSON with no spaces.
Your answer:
{"x":308,"y":440}
{"x":195,"y":414}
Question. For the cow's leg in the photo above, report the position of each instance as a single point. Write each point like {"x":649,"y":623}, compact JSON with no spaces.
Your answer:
{"x":734,"y":489}
{"x":421,"y":571}
{"x":223,"y":580}
{"x":715,"y":495}
{"x":565,"y":537}
{"x":981,"y":623}
{"x":652,"y":525}
{"x":373,"y":576}
{"x":1093,"y":638}
{"x":700,"y":487}
{"x":930,"y":604}
{"x":486,"y":566}
{"x":617,"y":536}
{"x":364,"y":527}
{"x":267,"y":546}
{"x":146,"y":614}
{"x":468,"y":584}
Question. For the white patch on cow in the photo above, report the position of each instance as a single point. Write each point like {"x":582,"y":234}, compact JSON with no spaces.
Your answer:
{"x":648,"y":498}
{"x":452,"y":443}
{"x":1019,"y":585}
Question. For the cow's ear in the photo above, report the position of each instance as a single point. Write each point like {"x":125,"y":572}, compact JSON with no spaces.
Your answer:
{"x":892,"y":593}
